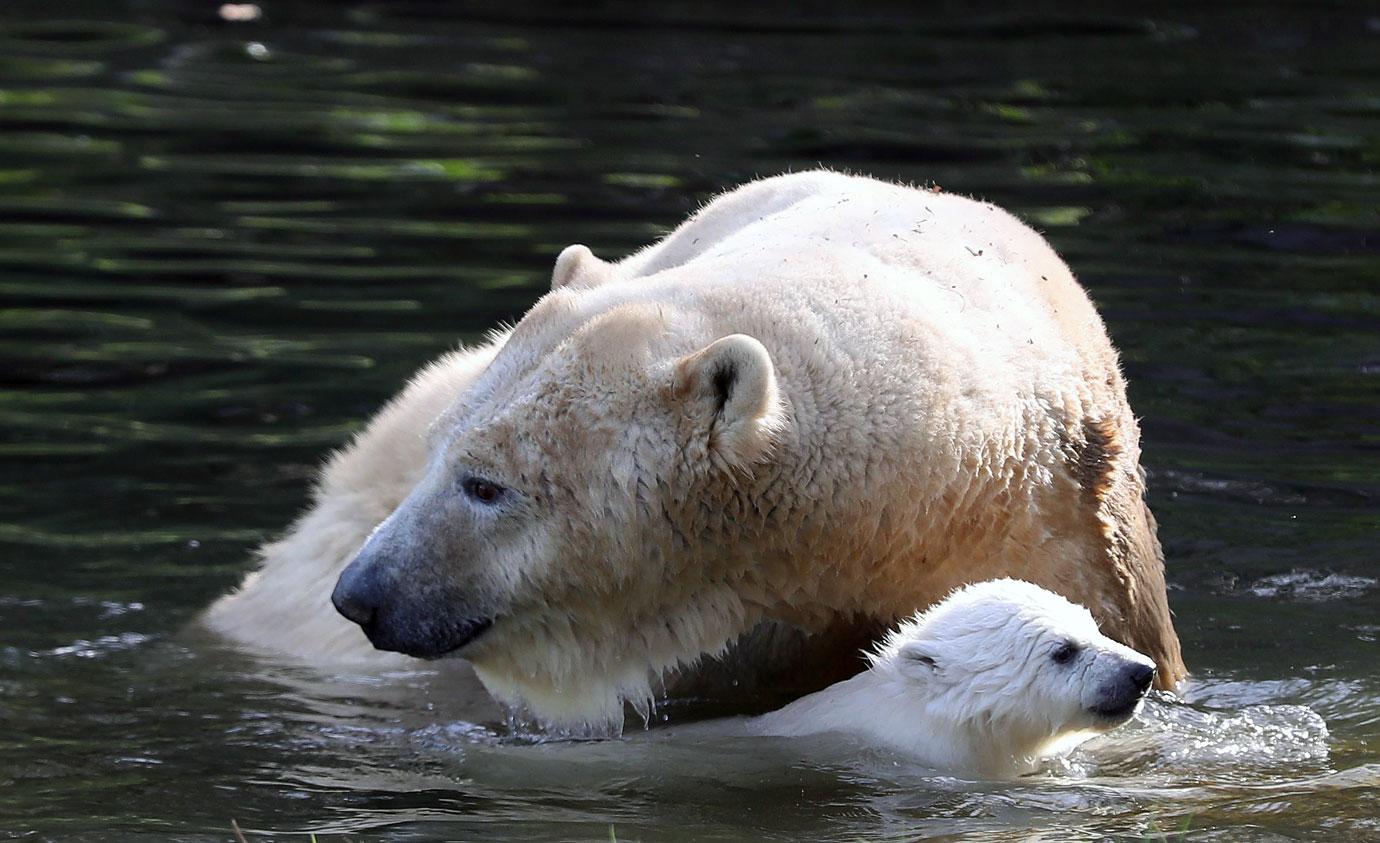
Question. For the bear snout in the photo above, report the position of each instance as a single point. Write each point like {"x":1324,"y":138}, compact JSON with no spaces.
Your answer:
{"x":425,"y":626}
{"x":1122,"y":694}
{"x":1140,"y":676}
{"x":357,"y":596}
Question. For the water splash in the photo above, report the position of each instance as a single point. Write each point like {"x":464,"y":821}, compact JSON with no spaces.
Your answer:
{"x":98,"y":647}
{"x":1172,"y":741}
{"x":1300,"y":584}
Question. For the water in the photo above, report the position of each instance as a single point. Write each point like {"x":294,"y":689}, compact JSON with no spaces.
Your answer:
{"x":223,"y":245}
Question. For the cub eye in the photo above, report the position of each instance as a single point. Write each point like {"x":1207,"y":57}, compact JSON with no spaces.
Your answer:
{"x":1064,"y":653}
{"x":483,"y":491}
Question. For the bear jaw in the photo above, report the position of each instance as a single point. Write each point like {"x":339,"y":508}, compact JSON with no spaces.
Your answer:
{"x":578,"y":679}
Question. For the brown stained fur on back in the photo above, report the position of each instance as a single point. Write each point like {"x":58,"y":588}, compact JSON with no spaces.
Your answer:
{"x":1095,"y":459}
{"x":1133,"y":551}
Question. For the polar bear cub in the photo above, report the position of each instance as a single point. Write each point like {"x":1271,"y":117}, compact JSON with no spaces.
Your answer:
{"x":988,"y":681}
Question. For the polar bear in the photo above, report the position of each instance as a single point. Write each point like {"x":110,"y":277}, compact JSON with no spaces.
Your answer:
{"x":818,"y":404}
{"x":995,"y":677}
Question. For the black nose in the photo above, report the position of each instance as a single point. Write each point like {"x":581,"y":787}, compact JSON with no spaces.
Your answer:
{"x":356,"y":597}
{"x":1141,"y":675}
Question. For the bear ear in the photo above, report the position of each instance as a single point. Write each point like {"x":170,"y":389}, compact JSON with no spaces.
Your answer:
{"x":729,"y":391}
{"x":577,"y":266}
{"x":916,"y":660}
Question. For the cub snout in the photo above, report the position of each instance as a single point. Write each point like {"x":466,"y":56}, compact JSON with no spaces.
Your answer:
{"x":1122,"y":694}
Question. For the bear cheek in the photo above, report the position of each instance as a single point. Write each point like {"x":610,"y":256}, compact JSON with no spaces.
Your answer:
{"x":526,"y":566}
{"x":1054,"y":699}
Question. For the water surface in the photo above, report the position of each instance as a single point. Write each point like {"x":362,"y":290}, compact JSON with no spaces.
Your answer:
{"x":222,"y":246}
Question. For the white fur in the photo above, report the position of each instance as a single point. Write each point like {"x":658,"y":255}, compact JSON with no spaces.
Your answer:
{"x":914,"y":372}
{"x":969,"y":685}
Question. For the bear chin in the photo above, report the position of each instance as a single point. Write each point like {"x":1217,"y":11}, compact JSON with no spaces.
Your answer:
{"x":1110,"y":717}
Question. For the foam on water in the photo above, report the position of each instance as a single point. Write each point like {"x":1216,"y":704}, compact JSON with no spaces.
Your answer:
{"x":1312,"y":585}
{"x":1184,"y":739}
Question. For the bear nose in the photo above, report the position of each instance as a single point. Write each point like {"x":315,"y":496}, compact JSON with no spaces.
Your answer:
{"x":1141,"y":675}
{"x":352,"y":608}
{"x":356,"y":597}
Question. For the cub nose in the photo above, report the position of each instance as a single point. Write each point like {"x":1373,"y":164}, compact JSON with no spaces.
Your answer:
{"x":357,"y":597}
{"x":1141,"y":675}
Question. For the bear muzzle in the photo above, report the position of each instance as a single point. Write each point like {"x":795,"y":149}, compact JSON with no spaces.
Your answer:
{"x":413,"y":627}
{"x":1121,"y":695}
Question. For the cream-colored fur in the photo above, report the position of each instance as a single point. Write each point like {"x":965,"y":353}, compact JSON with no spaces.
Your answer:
{"x":978,"y":684}
{"x":821,"y":398}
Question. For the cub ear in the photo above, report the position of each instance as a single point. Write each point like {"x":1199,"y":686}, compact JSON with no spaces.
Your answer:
{"x":729,"y":391}
{"x":577,"y":266}
{"x":916,"y":660}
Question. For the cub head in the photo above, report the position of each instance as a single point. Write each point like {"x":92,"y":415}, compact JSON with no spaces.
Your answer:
{"x":1016,"y":668}
{"x":564,"y":538}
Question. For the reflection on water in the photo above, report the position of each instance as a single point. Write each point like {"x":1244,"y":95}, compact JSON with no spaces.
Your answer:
{"x":222,"y":245}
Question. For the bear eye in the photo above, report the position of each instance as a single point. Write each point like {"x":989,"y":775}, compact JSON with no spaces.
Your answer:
{"x":483,"y":491}
{"x":1064,"y":653}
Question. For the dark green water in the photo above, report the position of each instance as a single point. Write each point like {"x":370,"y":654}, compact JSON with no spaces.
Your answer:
{"x":223,"y":245}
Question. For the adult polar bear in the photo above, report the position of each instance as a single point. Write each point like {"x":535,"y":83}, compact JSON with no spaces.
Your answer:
{"x":823,"y":402}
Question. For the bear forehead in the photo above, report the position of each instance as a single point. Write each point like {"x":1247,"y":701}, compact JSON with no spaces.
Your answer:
{"x":1002,"y":638}
{"x":550,"y":430}
{"x":589,"y":328}
{"x":1005,"y":617}
{"x":582,"y":366}
{"x":998,"y":603}
{"x":998,"y":610}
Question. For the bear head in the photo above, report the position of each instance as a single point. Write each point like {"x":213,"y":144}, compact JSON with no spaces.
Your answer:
{"x":1013,"y":671}
{"x":568,"y":537}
